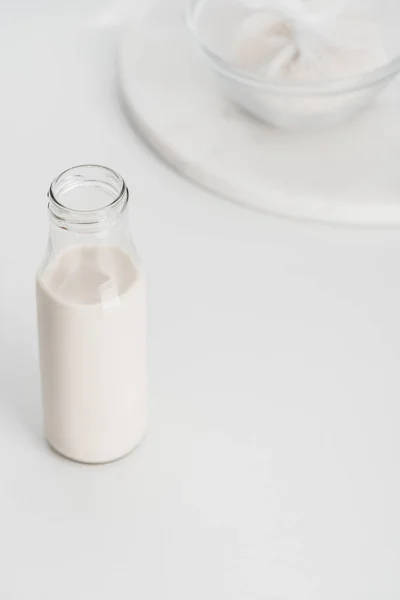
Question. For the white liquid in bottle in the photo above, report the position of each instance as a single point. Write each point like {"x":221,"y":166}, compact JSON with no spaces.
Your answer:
{"x":91,"y":304}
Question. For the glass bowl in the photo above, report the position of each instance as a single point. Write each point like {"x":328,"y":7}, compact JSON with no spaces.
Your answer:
{"x":214,"y":27}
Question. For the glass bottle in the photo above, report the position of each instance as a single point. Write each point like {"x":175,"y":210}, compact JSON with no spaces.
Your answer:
{"x":91,"y":306}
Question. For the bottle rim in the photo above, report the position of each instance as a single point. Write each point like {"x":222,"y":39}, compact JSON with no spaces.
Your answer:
{"x":111,"y":201}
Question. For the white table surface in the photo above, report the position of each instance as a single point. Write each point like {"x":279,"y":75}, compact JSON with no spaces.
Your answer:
{"x":270,"y":469}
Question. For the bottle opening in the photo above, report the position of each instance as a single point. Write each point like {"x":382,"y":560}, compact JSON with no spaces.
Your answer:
{"x":87,"y":194}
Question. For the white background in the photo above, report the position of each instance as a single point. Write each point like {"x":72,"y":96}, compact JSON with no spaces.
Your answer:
{"x":270,"y":469}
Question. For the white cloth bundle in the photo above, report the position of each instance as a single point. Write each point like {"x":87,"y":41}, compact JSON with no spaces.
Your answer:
{"x":307,"y":41}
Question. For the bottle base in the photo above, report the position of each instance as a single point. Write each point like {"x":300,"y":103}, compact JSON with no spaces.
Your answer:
{"x":93,"y":462}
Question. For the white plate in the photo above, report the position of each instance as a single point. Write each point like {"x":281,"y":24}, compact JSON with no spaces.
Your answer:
{"x":349,"y":174}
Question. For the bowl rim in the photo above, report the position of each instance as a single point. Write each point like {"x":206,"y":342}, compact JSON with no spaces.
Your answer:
{"x":243,"y":77}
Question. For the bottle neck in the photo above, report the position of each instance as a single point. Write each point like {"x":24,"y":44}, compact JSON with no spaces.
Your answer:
{"x":88,"y":205}
{"x":87,"y":200}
